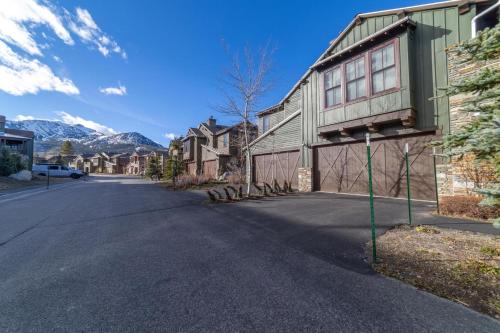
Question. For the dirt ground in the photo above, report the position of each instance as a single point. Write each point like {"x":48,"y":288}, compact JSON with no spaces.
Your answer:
{"x":459,"y":265}
{"x":8,"y":184}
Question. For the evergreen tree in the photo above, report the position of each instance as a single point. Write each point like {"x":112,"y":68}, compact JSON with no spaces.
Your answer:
{"x":173,"y":168}
{"x":480,"y":137}
{"x":66,"y":148}
{"x":153,"y":169}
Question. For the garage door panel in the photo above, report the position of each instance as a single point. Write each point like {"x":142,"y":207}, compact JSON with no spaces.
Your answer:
{"x":280,"y":166}
{"x":210,"y":169}
{"x":349,"y":174}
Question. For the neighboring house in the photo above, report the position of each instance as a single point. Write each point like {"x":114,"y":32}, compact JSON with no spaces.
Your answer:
{"x":161,"y":156}
{"x":191,"y":151}
{"x":379,"y":76}
{"x":175,"y":148}
{"x":209,"y":148}
{"x":17,"y":141}
{"x":117,"y":163}
{"x":137,"y":163}
{"x":97,"y":162}
{"x":225,"y":152}
{"x":82,"y":162}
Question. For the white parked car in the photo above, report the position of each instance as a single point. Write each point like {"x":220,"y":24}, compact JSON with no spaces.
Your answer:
{"x":56,"y":170}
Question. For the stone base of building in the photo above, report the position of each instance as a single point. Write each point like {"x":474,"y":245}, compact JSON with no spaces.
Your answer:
{"x":305,"y":179}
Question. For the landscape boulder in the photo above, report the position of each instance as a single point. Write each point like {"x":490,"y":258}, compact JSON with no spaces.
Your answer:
{"x":23,"y":175}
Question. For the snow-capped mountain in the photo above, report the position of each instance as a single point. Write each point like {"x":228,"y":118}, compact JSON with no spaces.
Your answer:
{"x":47,"y":130}
{"x":49,"y":136}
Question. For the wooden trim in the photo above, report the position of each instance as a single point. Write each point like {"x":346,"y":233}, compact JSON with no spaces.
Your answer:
{"x":381,"y":135}
{"x":384,"y":118}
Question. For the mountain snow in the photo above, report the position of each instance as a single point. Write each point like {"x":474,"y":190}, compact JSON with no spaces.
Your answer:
{"x":49,"y":135}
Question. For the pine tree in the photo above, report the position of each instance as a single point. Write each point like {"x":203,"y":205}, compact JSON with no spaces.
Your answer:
{"x":66,"y":148}
{"x":153,"y":168}
{"x":480,"y":137}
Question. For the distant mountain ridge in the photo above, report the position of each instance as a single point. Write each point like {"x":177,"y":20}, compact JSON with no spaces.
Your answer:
{"x":49,"y":135}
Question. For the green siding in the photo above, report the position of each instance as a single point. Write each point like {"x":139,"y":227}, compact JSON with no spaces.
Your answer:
{"x":286,"y":136}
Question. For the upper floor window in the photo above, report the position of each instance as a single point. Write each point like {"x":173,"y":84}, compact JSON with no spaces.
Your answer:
{"x":266,"y":123}
{"x":186,"y":146}
{"x":383,"y":69}
{"x":355,"y":79}
{"x":333,"y":87}
{"x":225,"y":140}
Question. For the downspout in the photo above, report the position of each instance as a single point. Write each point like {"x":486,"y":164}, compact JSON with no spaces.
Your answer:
{"x":475,"y":18}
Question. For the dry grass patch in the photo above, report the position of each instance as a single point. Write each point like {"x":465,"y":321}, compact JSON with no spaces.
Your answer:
{"x":467,"y":206}
{"x":459,"y":265}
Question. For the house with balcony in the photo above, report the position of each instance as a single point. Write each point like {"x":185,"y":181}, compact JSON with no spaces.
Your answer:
{"x":17,"y":141}
{"x":137,"y":163}
{"x":381,"y":77}
{"x":82,"y":162}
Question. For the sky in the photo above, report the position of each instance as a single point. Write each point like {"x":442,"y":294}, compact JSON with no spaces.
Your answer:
{"x":153,"y":67}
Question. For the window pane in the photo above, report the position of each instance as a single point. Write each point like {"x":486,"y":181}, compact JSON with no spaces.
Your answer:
{"x":376,"y":60}
{"x":360,"y":67}
{"x":378,"y":82}
{"x":361,"y":87}
{"x":389,"y":55}
{"x":390,"y":77}
{"x":336,"y":77}
{"x":329,"y":98}
{"x":328,"y":80}
{"x":350,"y":71}
{"x":337,"y":95}
{"x":351,"y":91}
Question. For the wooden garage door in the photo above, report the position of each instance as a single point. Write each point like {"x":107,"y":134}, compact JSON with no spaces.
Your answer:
{"x":280,"y":166}
{"x":191,"y":168}
{"x":210,"y":169}
{"x":343,"y":168}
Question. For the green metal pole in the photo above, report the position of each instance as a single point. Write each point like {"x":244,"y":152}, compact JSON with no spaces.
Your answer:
{"x":408,"y":182}
{"x":370,"y":189}
{"x":435,"y":178}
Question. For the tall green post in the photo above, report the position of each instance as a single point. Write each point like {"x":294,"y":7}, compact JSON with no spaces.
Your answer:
{"x":408,"y":182}
{"x":435,"y":178}
{"x":370,"y":189}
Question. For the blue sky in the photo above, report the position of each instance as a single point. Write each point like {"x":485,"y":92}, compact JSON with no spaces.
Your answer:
{"x":152,"y":66}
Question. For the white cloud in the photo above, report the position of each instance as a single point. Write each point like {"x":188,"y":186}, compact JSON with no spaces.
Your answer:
{"x":120,"y":90}
{"x":85,"y":27}
{"x":17,"y":16}
{"x":21,"y":117}
{"x":22,"y":70}
{"x":170,"y":136}
{"x":19,"y":75}
{"x":75,"y":120}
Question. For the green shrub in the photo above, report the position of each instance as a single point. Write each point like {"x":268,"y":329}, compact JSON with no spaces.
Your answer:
{"x":10,"y":163}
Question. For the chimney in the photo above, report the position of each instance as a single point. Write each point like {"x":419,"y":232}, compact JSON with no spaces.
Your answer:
{"x":211,"y":121}
{"x":2,"y":124}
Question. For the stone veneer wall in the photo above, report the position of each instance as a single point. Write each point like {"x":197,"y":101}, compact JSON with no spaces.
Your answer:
{"x":450,"y":180}
{"x":305,"y":179}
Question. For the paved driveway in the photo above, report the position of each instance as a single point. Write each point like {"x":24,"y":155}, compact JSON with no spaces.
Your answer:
{"x":336,"y":227}
{"x":117,"y":254}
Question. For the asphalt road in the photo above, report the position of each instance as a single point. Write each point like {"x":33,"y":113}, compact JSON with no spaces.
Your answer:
{"x":117,"y":254}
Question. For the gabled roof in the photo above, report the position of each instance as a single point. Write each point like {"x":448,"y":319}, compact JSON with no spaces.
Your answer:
{"x":193,"y":131}
{"x":402,"y":10}
{"x":228,"y":128}
{"x":270,"y":109}
{"x":213,"y":129}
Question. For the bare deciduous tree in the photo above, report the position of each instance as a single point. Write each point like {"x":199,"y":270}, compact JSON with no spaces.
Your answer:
{"x":245,"y":83}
